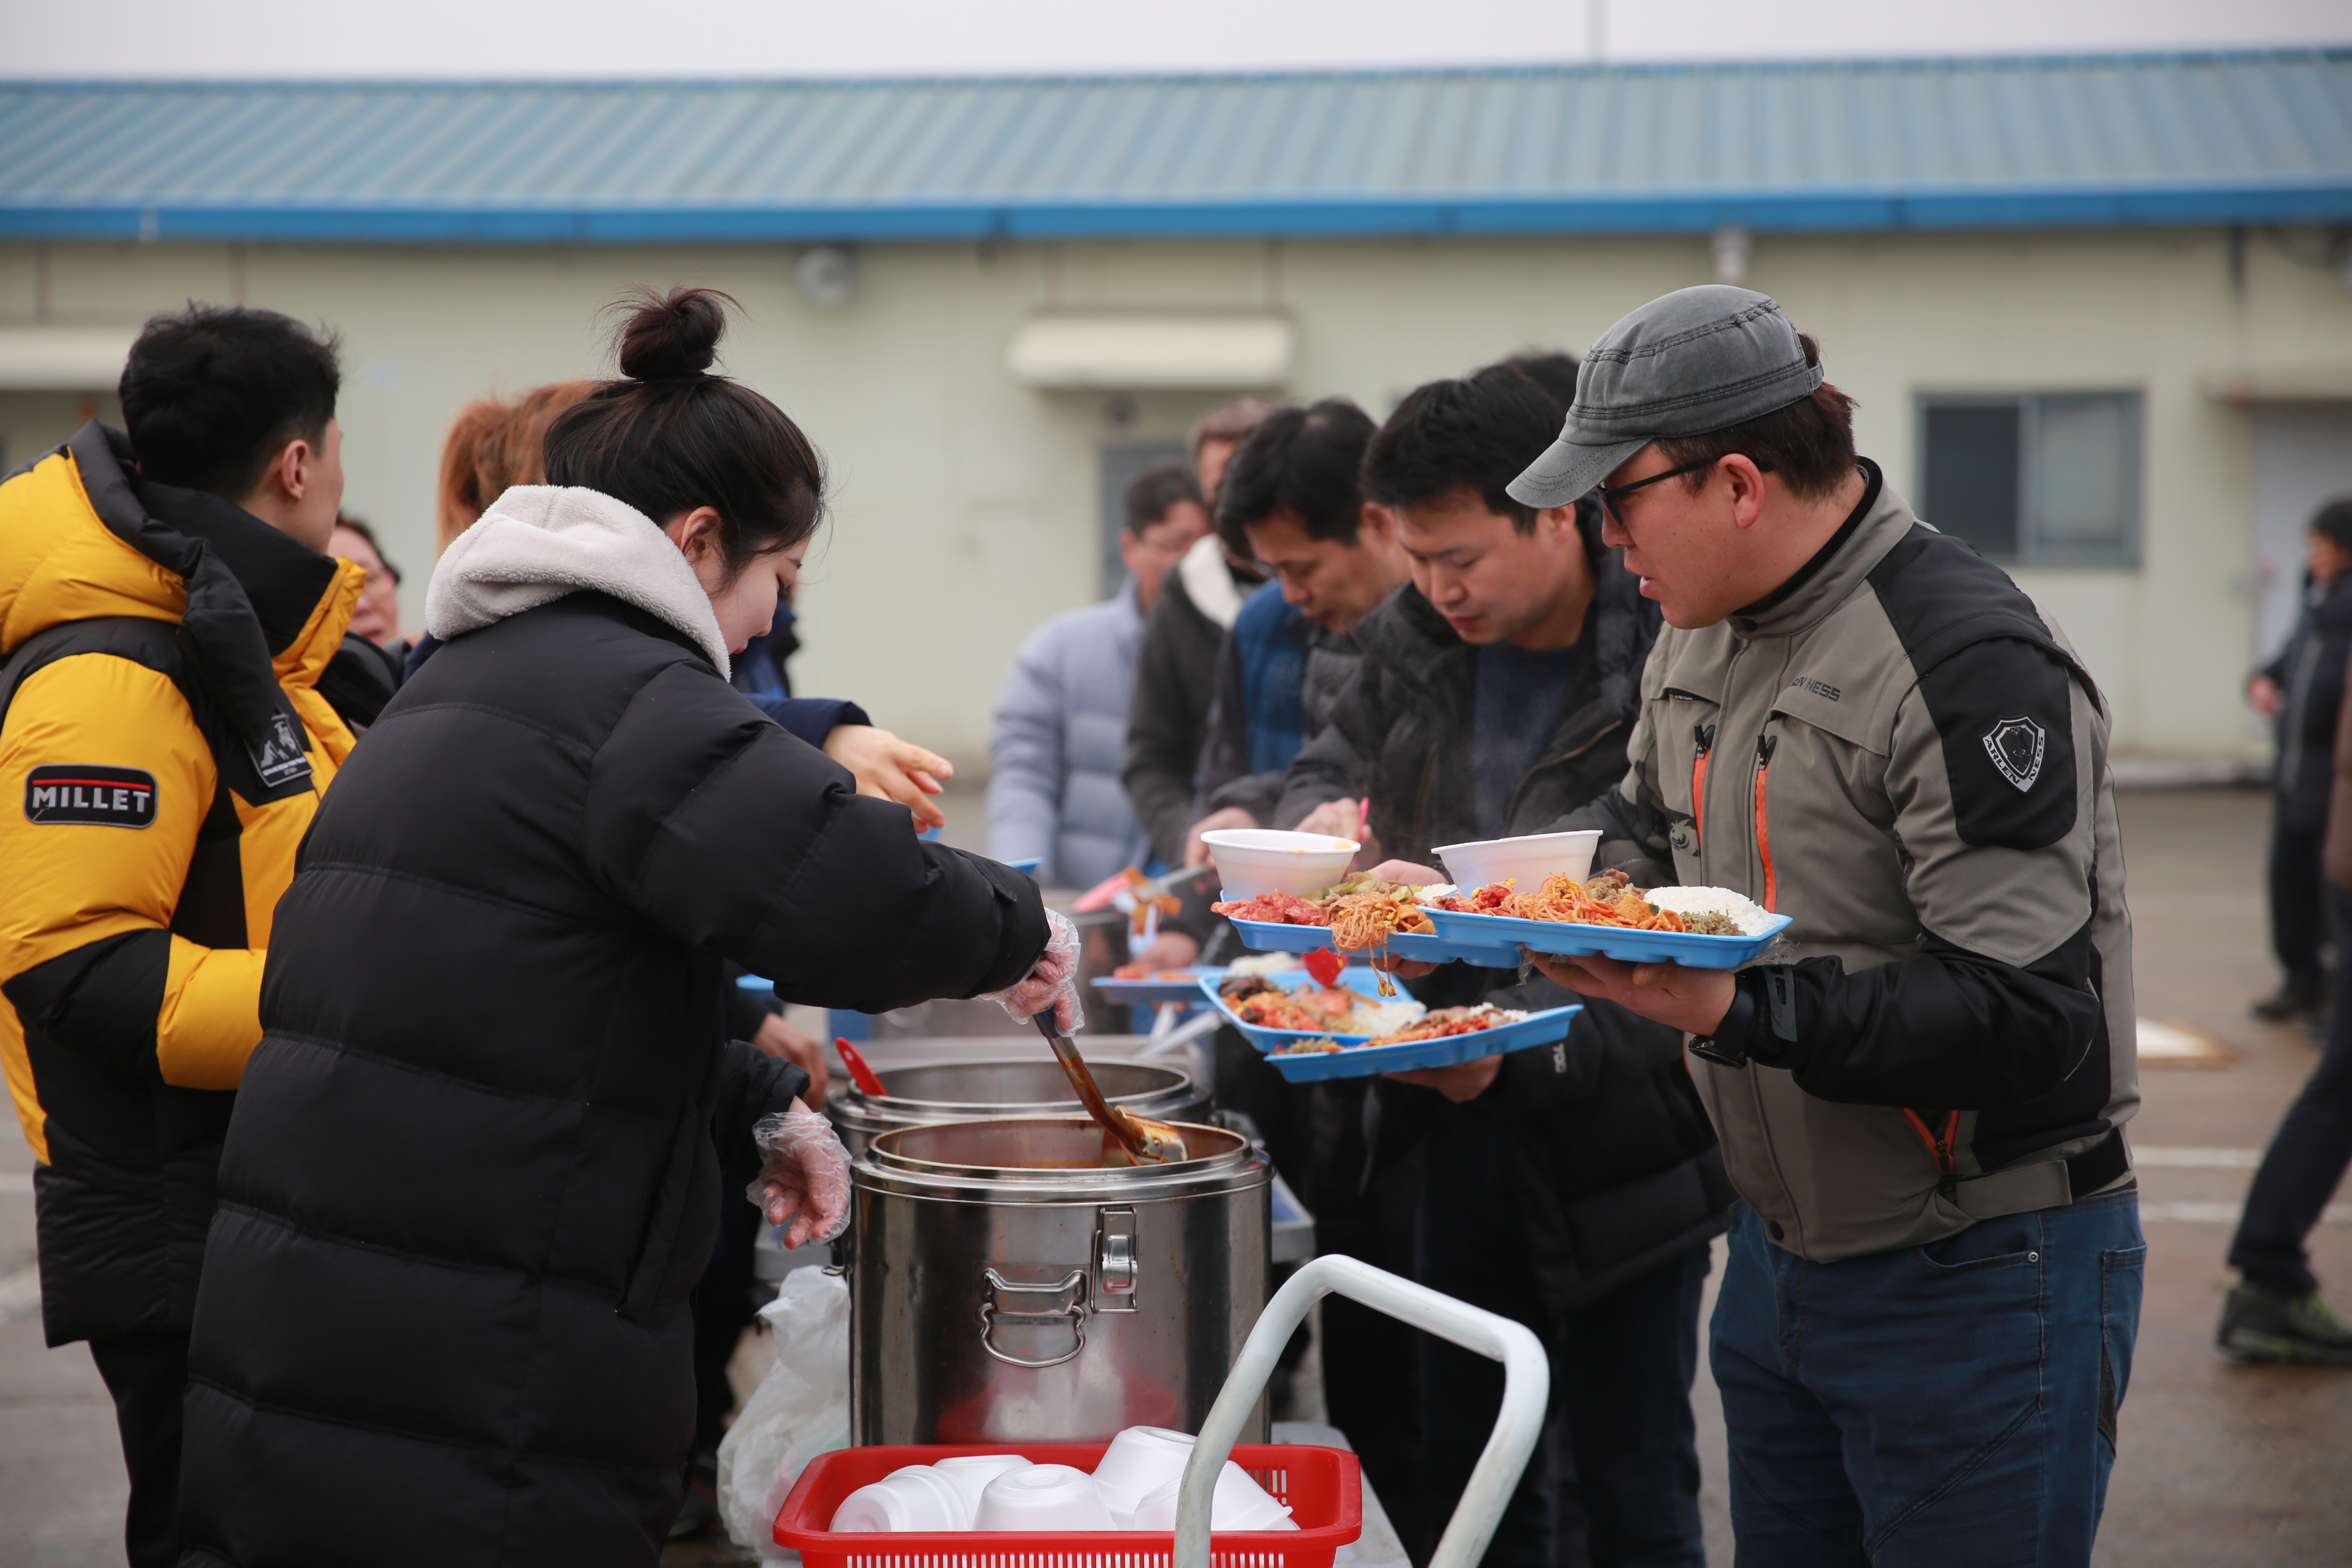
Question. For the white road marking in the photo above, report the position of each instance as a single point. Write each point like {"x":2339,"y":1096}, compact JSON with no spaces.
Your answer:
{"x":2196,"y":1158}
{"x":20,"y":1293}
{"x":2224,"y":1214}
{"x":17,"y":1181}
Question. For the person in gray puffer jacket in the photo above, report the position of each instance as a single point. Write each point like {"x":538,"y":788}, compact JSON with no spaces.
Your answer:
{"x":1060,"y":729}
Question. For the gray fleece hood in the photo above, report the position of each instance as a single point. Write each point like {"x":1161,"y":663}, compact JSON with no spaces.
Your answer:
{"x":538,"y":542}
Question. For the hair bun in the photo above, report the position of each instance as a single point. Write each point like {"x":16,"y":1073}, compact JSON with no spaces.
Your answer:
{"x":673,"y":336}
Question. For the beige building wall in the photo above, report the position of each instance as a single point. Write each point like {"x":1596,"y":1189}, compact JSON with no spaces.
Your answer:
{"x":966,"y":507}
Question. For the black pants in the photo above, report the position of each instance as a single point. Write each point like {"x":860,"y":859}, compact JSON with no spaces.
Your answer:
{"x":1615,"y":1482}
{"x":148,"y":1376}
{"x":2298,"y":906}
{"x":1315,"y":1133}
{"x":2307,"y":1154}
{"x":722,"y":1311}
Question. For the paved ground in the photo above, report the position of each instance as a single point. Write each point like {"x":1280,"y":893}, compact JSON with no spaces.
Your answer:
{"x":2223,"y":1467}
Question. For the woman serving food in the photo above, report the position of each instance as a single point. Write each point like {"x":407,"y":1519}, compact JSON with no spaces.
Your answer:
{"x":477,"y":1156}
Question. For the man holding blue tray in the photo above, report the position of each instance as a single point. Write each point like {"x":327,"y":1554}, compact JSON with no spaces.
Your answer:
{"x":1926,"y":1325}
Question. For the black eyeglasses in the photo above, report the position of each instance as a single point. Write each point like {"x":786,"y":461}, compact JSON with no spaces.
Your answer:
{"x":1609,"y":497}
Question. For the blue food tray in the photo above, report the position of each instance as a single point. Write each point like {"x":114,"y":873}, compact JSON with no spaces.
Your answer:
{"x":1611,"y":942}
{"x":1273,"y":936}
{"x":1359,"y":978}
{"x":1146,"y":992}
{"x":1365,"y":1062}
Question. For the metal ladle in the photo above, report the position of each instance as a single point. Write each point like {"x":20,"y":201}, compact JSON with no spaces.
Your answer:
{"x":1147,"y":1143}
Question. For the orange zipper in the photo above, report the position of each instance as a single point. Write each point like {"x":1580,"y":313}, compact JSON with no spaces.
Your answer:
{"x":1705,"y":735}
{"x":1764,"y":744}
{"x":1939,"y":1148}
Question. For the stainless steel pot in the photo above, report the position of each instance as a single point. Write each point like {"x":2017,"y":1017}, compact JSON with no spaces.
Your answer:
{"x":1004,"y":1287}
{"x":935,"y":1092}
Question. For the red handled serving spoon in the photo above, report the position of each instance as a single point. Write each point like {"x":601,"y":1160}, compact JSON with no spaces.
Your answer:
{"x":869,"y":1082}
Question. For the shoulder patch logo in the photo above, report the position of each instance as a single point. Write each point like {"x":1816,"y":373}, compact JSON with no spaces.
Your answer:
{"x":2016,"y":746}
{"x":94,"y":796}
{"x":279,"y":759}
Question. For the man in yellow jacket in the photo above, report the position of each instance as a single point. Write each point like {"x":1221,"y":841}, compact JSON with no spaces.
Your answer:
{"x":168,"y":617}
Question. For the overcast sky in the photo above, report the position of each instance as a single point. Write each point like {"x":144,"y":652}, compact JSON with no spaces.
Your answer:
{"x":864,"y":38}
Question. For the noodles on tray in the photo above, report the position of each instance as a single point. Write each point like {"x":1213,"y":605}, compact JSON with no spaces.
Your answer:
{"x":1608,"y":899}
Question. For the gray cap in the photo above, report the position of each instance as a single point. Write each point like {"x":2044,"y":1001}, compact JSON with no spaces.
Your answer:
{"x":1687,"y":363}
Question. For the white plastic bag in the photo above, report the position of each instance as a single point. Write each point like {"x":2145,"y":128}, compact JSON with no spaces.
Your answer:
{"x":799,"y":1410}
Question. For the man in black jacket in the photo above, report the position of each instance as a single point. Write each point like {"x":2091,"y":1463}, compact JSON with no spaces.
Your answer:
{"x":1573,"y":1188}
{"x":1176,"y":666}
{"x":2299,"y":691}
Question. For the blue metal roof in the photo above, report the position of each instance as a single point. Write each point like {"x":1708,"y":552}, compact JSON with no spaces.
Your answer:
{"x":1852,"y":145}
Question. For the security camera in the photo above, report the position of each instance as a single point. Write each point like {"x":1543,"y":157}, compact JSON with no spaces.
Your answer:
{"x":826,"y":277}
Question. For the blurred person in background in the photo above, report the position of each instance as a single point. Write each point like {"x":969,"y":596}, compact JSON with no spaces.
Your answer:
{"x":765,"y":668}
{"x":1553,"y":371}
{"x":1176,"y":667}
{"x":1061,"y":717}
{"x":1291,"y":503}
{"x":2300,"y":691}
{"x":378,"y":615}
{"x":2275,"y":1312}
{"x":1571,"y":1187}
{"x":375,"y":625}
{"x":443,"y":1315}
{"x":494,"y":445}
{"x":170,"y":610}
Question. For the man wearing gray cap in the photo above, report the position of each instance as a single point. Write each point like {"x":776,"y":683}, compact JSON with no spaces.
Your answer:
{"x":1926,"y":1326}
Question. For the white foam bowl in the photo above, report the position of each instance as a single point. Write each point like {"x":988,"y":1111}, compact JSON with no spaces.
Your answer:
{"x":1238,"y":1503}
{"x":970,"y":1473}
{"x":911,"y":1498}
{"x":1139,"y":1459}
{"x":1043,"y":1496}
{"x":1254,"y":860}
{"x":1527,"y":859}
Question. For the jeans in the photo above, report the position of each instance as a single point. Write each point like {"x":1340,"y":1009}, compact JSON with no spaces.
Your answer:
{"x":1615,"y":1483}
{"x":2299,"y":910}
{"x":1951,"y":1406}
{"x":148,"y":1376}
{"x":2307,"y":1154}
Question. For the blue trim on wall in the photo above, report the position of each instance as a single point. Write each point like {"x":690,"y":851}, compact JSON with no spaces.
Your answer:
{"x":1813,"y":210}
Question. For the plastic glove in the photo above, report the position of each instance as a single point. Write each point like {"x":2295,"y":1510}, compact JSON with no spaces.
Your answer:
{"x":1053,"y":983}
{"x":805,"y":1179}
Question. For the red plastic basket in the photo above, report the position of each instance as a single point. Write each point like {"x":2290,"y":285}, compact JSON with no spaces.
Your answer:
{"x":1322,"y":1486}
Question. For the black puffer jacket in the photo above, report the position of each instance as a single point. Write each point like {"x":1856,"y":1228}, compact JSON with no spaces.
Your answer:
{"x":1400,"y":731}
{"x":479,"y":1154}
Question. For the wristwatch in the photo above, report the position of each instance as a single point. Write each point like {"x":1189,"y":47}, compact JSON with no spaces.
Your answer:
{"x":1727,"y":1046}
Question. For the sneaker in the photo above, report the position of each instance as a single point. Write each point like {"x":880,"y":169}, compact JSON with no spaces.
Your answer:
{"x":2261,"y":1325}
{"x":2286,"y":1006}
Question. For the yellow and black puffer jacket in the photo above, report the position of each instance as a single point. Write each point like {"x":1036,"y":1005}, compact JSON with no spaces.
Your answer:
{"x":163,"y":743}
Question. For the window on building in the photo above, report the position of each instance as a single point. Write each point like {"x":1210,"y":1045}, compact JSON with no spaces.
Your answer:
{"x":2035,"y":479}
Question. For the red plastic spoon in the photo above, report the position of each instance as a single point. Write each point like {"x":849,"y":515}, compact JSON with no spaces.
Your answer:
{"x":864,"y":1077}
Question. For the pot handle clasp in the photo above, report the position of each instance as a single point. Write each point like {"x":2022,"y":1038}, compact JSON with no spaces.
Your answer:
{"x":1020,"y":1305}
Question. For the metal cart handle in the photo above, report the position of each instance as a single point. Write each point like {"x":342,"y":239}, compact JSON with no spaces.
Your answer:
{"x":1527,"y":1389}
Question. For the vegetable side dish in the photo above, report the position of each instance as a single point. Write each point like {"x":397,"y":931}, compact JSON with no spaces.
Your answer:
{"x":1333,"y":1009}
{"x":1438,"y":1025}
